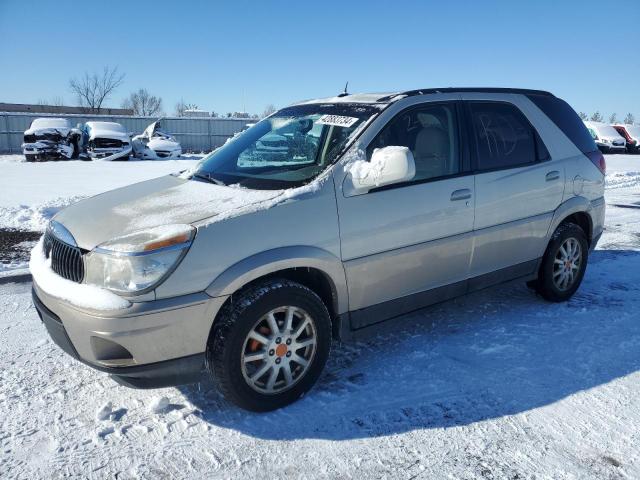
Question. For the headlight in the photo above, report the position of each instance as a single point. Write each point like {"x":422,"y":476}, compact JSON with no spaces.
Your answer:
{"x":139,"y":261}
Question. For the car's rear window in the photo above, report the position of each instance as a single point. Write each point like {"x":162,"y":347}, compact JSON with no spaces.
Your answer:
{"x":567,"y":120}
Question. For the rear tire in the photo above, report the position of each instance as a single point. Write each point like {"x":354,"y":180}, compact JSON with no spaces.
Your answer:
{"x":274,"y":327}
{"x":30,"y":157}
{"x":563,"y":264}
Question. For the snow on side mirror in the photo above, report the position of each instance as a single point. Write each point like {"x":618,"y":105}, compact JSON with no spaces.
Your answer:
{"x":388,"y":165}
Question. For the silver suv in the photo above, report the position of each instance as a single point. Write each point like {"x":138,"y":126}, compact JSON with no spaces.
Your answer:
{"x":322,"y":221}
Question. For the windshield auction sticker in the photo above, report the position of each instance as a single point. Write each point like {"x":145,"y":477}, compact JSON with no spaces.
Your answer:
{"x":337,"y":120}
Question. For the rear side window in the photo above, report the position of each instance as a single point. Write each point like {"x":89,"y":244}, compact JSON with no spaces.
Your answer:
{"x":504,"y":137}
{"x":567,"y":120}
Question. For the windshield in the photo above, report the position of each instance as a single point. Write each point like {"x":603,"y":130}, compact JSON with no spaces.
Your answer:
{"x":607,"y":131}
{"x":288,"y":149}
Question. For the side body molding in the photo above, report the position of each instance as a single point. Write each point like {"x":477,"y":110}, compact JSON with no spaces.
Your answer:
{"x":270,"y":261}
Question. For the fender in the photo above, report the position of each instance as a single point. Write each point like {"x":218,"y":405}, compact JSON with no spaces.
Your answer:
{"x":576,"y":204}
{"x":271,"y":261}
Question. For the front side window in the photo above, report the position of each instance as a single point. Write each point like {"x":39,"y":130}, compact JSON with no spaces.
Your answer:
{"x":430,"y":132}
{"x":504,"y":137}
{"x":288,"y":149}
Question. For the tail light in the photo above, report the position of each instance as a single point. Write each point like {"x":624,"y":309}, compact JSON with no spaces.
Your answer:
{"x":597,"y":158}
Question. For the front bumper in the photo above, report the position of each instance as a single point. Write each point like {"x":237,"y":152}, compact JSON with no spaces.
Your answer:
{"x":108,"y":154}
{"x":148,"y":345}
{"x":45,"y":150}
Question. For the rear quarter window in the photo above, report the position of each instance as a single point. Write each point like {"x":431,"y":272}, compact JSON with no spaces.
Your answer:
{"x":567,"y":120}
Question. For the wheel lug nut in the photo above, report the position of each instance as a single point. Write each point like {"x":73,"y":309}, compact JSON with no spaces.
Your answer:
{"x":288,"y":341}
{"x":272,"y":352}
{"x":288,"y":354}
{"x":277,"y":360}
{"x":278,"y":340}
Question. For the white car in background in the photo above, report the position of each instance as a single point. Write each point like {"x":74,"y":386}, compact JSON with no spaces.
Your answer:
{"x":51,"y":138}
{"x":154,"y":144}
{"x":106,"y":141}
{"x":606,"y":137}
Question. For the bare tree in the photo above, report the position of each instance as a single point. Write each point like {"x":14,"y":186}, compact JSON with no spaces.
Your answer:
{"x":613,"y":118}
{"x":143,"y":103}
{"x":596,"y":117}
{"x":629,"y":119}
{"x":92,"y":90}
{"x":268,"y":110}
{"x":583,"y":116}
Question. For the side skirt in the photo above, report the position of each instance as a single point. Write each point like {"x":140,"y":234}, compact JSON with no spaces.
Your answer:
{"x":373,"y":320}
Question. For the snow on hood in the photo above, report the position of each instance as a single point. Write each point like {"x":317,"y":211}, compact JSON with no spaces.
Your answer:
{"x":107,"y":130}
{"x":49,"y":125}
{"x":81,"y":295}
{"x":160,"y":143}
{"x":164,"y":201}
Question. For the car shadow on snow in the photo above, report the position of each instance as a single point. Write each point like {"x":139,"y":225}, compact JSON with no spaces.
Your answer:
{"x":498,"y":352}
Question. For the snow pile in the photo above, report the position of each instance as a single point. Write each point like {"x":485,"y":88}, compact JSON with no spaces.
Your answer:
{"x":34,"y":217}
{"x":80,"y":295}
{"x":622,"y":179}
{"x":105,"y":412}
{"x":158,"y":405}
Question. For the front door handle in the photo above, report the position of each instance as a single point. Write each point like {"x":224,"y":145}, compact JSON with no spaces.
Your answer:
{"x":464,"y":194}
{"x":554,"y":175}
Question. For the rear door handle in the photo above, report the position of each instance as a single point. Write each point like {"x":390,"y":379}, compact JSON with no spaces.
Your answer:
{"x":464,"y":194}
{"x":554,"y":175}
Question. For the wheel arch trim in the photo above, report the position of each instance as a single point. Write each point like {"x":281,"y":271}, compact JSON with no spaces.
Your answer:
{"x":572,"y":206}
{"x":284,"y":258}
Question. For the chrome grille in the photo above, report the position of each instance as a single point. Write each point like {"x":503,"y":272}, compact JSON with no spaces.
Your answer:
{"x":66,"y":260}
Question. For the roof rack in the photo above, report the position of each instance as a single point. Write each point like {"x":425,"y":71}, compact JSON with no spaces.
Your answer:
{"x":430,"y":91}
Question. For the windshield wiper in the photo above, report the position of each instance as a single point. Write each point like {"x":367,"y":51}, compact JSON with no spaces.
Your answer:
{"x":207,"y":177}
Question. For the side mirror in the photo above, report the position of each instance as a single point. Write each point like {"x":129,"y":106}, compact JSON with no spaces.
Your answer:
{"x":388,"y":165}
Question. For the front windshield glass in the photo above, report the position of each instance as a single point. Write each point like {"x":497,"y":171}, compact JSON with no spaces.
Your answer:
{"x":288,"y":149}
{"x":607,"y":131}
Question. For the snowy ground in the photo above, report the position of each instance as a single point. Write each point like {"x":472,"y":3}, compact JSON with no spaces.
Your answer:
{"x":499,"y":384}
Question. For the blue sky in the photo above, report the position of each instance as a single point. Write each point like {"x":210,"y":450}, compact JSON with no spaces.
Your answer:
{"x":221,"y":55}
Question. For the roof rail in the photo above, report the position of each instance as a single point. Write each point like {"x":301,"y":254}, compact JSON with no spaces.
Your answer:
{"x":430,"y":91}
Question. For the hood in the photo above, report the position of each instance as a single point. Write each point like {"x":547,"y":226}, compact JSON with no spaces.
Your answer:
{"x":108,"y":133}
{"x":163,"y":144}
{"x":151,"y":129}
{"x":161,"y":201}
{"x":48,"y":130}
{"x":42,"y":126}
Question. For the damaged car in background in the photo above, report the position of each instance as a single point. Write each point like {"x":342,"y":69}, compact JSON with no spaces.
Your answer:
{"x":106,"y":141}
{"x":154,"y":144}
{"x":51,"y":139}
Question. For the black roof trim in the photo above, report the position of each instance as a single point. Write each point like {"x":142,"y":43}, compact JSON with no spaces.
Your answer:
{"x":429,"y":91}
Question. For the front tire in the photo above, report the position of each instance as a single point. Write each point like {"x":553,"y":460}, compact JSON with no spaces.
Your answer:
{"x":269,"y":345}
{"x":563,"y":264}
